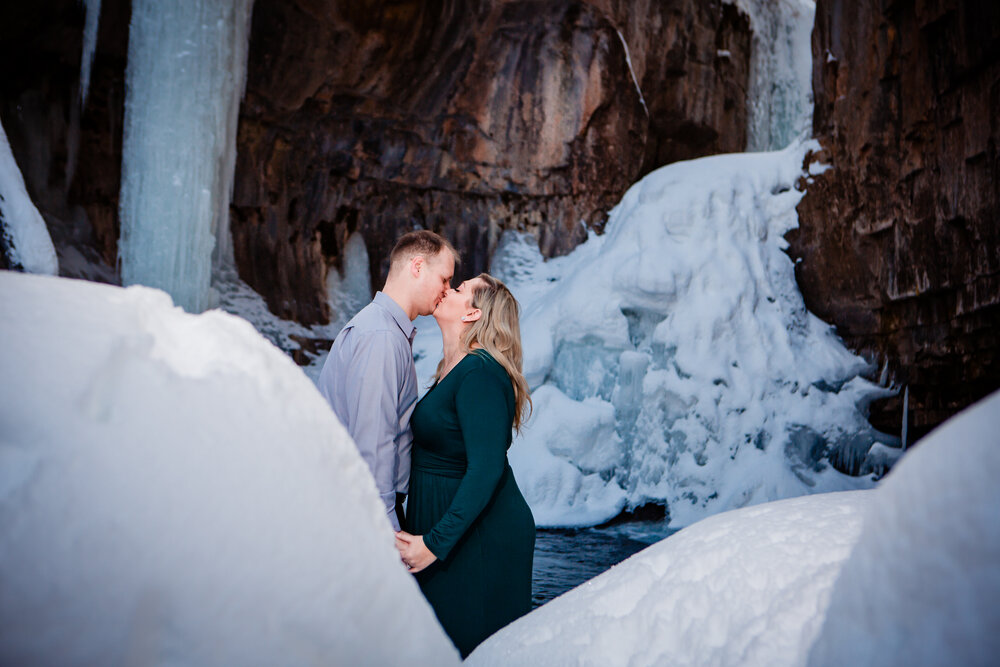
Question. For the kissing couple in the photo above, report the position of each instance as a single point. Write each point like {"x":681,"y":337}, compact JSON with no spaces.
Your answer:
{"x":467,"y":533}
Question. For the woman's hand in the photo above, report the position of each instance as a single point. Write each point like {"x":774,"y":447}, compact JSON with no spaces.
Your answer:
{"x":415,"y":555}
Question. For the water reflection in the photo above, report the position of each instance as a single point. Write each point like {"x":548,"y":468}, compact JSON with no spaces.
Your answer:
{"x":565,"y":558}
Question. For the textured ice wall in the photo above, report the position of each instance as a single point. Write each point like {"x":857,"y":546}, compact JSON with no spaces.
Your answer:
{"x":184,"y":80}
{"x":683,"y":322}
{"x":23,"y":234}
{"x":779,"y":99}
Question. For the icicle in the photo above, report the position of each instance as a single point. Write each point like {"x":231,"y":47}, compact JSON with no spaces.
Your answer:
{"x":184,"y":81}
{"x":23,"y":234}
{"x":906,"y":410}
{"x":89,"y":46}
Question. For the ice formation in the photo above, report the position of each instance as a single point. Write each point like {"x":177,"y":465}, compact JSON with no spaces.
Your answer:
{"x":904,"y":574}
{"x":24,"y":237}
{"x":90,"y":26}
{"x":779,"y":98}
{"x":684,"y":321}
{"x":173,"y":490}
{"x":350,"y":289}
{"x":184,"y":80}
{"x":922,"y":585}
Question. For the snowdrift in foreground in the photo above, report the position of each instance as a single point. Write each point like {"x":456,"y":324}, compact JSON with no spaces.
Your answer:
{"x":685,"y":324}
{"x":174,"y":490}
{"x":905,"y":574}
{"x":922,"y":586}
{"x":741,"y":588}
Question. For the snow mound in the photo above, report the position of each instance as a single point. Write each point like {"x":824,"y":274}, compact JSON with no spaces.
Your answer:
{"x":905,"y":574}
{"x":174,"y":490}
{"x":922,"y":586}
{"x":746,"y":587}
{"x":684,"y":320}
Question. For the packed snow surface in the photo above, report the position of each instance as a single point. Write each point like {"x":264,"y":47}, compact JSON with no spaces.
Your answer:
{"x":904,"y":574}
{"x":672,"y":359}
{"x":24,"y":237}
{"x":922,"y":586}
{"x":173,"y":490}
{"x":183,"y":84}
{"x":746,"y":587}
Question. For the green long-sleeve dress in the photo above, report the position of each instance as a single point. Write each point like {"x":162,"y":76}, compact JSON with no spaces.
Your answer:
{"x":464,"y":501}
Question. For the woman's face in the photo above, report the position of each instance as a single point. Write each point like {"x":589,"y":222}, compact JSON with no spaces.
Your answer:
{"x":457,"y":303}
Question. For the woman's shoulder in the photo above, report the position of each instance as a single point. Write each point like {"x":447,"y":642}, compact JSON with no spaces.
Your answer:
{"x":480,"y":366}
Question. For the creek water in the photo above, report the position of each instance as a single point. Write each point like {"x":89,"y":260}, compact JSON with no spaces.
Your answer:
{"x":566,"y":558}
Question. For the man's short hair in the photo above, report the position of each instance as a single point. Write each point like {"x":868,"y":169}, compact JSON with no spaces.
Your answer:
{"x":419,"y":242}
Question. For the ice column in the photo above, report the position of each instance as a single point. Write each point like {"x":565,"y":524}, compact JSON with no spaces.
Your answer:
{"x":23,"y":235}
{"x":779,"y":98}
{"x":184,"y":81}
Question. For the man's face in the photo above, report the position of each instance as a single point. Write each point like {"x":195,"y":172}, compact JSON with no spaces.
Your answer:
{"x":435,"y":280}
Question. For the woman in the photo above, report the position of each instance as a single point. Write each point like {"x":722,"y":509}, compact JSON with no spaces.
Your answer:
{"x":472,"y":535}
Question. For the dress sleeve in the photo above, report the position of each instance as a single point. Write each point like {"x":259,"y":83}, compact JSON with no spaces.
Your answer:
{"x":485,"y":422}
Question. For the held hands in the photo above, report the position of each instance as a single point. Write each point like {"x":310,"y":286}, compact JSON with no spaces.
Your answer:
{"x":415,"y":555}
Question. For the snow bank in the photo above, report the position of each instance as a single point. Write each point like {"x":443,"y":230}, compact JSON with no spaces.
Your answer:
{"x":922,"y":586}
{"x":24,"y":237}
{"x":684,"y":321}
{"x":746,"y":587}
{"x":905,"y":574}
{"x":174,"y":490}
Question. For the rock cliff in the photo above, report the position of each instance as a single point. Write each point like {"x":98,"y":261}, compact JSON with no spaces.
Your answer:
{"x":900,"y":242}
{"x":466,"y":118}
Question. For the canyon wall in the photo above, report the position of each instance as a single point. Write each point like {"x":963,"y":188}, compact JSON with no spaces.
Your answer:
{"x":900,"y":241}
{"x":467,"y":118}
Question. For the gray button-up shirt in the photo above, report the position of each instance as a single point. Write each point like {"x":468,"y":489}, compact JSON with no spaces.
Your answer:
{"x":370,"y":382}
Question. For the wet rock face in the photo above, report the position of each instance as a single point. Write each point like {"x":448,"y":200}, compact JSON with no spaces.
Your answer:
{"x":900,"y":242}
{"x":468,"y":119}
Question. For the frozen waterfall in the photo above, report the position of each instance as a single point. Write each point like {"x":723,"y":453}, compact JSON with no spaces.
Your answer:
{"x":89,"y":46}
{"x":672,"y":359}
{"x":184,"y":81}
{"x":779,"y":98}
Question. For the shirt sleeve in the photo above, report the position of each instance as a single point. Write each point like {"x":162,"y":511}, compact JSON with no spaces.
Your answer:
{"x":485,"y":422}
{"x":372,"y":384}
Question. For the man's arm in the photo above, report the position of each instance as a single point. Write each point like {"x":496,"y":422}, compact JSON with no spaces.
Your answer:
{"x":371,"y":390}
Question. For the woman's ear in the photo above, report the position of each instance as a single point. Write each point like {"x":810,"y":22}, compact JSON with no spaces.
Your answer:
{"x":472,"y":315}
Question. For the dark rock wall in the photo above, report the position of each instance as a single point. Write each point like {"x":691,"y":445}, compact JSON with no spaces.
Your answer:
{"x":900,"y":242}
{"x":467,"y":118}
{"x":70,"y":156}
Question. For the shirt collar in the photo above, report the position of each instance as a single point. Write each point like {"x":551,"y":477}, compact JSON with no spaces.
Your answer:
{"x":394,"y":309}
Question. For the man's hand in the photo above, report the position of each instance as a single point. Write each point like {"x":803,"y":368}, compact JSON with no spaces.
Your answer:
{"x":415,"y":555}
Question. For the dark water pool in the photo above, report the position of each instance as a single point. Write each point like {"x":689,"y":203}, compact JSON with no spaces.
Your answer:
{"x":565,"y":558}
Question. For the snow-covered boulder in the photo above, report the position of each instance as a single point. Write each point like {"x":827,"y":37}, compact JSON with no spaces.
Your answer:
{"x":174,"y":490}
{"x":922,"y":585}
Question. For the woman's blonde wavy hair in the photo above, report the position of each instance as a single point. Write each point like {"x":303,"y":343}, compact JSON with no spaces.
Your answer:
{"x":498,"y":332}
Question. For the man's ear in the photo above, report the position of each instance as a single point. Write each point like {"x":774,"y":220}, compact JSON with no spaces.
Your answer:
{"x":417,"y":265}
{"x":473,"y":315}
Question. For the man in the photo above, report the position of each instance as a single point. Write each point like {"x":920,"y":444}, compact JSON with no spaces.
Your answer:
{"x":369,"y":379}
